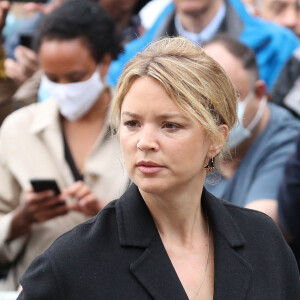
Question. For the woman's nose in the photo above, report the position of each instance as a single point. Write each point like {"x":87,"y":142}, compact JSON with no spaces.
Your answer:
{"x":148,"y":139}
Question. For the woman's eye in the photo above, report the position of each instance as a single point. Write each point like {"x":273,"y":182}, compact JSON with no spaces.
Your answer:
{"x":52,"y":78}
{"x":171,"y":125}
{"x":131,"y":124}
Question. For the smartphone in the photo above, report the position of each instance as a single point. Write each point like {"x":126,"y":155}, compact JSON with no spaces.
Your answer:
{"x":26,"y":40}
{"x":40,"y":185}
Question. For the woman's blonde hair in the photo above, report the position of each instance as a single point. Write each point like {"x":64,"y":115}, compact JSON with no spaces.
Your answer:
{"x":195,"y":82}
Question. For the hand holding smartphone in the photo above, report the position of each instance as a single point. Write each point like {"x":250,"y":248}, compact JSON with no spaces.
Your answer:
{"x":40,"y":205}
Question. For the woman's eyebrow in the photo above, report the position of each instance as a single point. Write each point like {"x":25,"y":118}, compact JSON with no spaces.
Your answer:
{"x":173,"y":115}
{"x":159,"y":116}
{"x":130,"y":114}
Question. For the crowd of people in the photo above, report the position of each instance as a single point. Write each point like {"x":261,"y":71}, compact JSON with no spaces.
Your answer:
{"x":210,"y":109}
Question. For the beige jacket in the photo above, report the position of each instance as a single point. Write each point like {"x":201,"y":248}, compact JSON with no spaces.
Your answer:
{"x":31,"y":145}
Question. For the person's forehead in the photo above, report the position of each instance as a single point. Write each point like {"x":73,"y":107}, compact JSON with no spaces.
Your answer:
{"x":231,"y":64}
{"x":220,"y":54}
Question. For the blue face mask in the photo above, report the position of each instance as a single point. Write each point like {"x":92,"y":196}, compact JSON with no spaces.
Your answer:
{"x":239,"y":133}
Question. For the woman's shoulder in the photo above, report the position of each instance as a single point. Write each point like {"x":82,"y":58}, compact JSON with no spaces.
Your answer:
{"x":24,"y":118}
{"x":94,"y":232}
{"x":86,"y":249}
{"x":249,"y":214}
{"x":259,"y":231}
{"x":241,"y":219}
{"x":250,"y":220}
{"x":251,"y":228}
{"x":20,"y":116}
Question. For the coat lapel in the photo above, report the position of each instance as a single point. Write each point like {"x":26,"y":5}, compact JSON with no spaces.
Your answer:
{"x":232,"y":272}
{"x":153,"y":268}
{"x":46,"y":125}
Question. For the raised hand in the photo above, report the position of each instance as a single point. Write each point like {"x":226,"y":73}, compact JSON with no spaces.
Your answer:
{"x":25,"y":65}
{"x":43,"y":206}
{"x":86,"y":201}
{"x":36,"y":208}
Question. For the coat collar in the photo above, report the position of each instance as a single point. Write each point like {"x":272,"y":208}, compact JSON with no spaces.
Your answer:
{"x":47,"y":125}
{"x":136,"y":226}
{"x":153,"y":269}
{"x":46,"y":116}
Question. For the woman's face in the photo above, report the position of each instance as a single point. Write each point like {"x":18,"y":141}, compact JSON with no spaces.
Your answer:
{"x":66,"y":61}
{"x":164,"y":149}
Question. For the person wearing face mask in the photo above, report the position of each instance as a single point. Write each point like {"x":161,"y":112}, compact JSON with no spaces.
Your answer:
{"x":66,"y":138}
{"x":259,"y":143}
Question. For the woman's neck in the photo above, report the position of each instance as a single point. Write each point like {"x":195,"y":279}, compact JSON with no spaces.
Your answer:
{"x":179,"y":217}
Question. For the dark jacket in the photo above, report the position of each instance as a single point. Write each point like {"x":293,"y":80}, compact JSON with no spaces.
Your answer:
{"x":119,"y":255}
{"x":288,"y":200}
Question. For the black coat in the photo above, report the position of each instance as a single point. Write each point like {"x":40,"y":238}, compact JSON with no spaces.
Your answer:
{"x":119,"y":255}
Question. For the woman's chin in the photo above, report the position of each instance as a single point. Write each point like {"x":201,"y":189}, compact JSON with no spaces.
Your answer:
{"x":151,"y":187}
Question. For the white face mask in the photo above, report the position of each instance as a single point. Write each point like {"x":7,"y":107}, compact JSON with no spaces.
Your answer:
{"x":75,"y":99}
{"x":239,"y":133}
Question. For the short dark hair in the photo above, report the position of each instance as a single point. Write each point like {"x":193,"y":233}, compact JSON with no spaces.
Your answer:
{"x":81,"y":19}
{"x":240,"y":51}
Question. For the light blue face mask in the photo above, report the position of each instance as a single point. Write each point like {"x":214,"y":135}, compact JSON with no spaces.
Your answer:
{"x":239,"y":133}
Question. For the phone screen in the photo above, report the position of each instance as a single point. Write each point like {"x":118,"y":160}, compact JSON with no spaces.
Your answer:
{"x":26,"y":40}
{"x":40,"y":185}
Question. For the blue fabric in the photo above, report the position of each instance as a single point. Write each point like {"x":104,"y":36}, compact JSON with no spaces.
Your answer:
{"x":137,"y":45}
{"x":261,"y":171}
{"x":273,"y":44}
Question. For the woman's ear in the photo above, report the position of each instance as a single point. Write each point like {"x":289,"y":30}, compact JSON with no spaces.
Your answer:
{"x":216,"y":147}
{"x":104,"y":65}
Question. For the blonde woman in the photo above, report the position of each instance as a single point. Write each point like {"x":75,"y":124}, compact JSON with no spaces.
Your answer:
{"x":167,"y":237}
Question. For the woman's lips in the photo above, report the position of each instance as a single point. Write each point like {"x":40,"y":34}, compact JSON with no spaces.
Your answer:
{"x":149,"y":167}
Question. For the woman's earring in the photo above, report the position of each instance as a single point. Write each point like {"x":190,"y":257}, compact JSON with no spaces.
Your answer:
{"x":210,"y":166}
